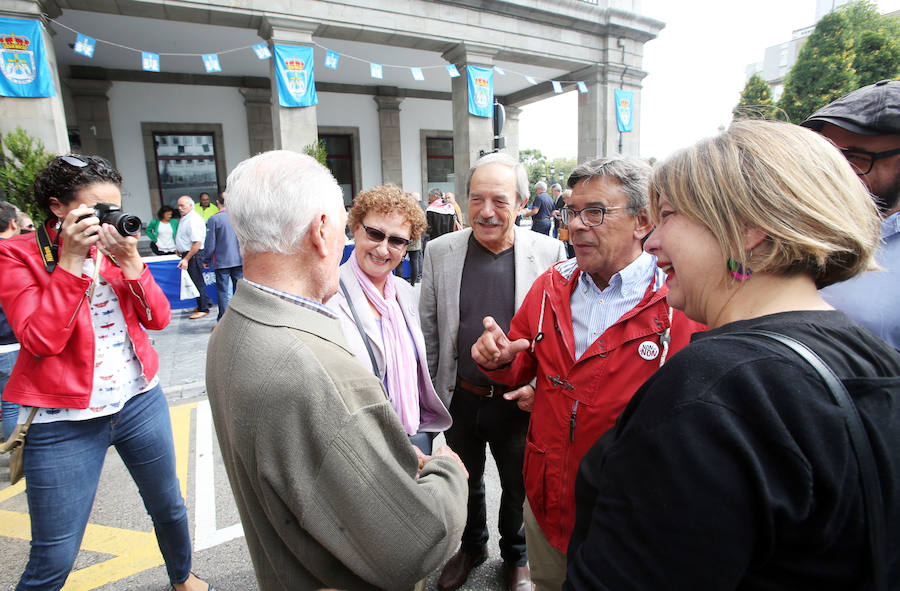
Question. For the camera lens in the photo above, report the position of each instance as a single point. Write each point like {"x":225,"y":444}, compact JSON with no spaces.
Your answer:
{"x":128,"y":225}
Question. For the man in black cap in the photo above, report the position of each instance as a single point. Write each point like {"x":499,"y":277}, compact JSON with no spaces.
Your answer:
{"x":865,"y":126}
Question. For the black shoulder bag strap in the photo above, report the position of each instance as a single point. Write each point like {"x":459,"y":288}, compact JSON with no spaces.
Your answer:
{"x":359,"y":327}
{"x":49,"y":250}
{"x":862,"y":449}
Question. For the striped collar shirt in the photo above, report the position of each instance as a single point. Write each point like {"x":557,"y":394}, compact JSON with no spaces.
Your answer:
{"x":295,"y":299}
{"x":594,"y":310}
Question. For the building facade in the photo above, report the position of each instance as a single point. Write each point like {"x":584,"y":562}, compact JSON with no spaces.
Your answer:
{"x":180,"y":130}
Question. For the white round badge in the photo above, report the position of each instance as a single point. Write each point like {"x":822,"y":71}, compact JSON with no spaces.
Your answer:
{"x":648,"y":350}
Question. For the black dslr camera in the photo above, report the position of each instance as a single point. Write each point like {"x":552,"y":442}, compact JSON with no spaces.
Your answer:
{"x":107,"y":213}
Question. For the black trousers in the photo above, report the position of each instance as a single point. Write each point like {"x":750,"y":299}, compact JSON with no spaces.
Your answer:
{"x":477,"y":423}
{"x":195,"y":270}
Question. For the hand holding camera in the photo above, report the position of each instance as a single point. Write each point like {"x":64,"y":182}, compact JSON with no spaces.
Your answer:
{"x":114,"y":232}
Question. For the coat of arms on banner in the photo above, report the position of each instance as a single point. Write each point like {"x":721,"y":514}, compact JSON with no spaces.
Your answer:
{"x":481,"y":92}
{"x":295,"y":77}
{"x":18,"y":59}
{"x":624,"y":106}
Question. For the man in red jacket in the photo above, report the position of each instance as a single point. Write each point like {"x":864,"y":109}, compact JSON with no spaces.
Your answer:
{"x":589,"y":332}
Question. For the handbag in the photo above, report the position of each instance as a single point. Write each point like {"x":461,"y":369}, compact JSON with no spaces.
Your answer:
{"x":16,"y":446}
{"x":862,"y":449}
{"x":362,"y":332}
{"x":188,"y":289}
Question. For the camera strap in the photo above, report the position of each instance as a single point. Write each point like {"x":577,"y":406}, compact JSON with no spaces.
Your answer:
{"x":49,"y":250}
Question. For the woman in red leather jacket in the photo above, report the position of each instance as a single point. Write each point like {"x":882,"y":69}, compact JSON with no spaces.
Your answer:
{"x":79,"y":299}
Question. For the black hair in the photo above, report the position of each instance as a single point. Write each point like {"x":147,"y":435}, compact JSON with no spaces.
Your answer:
{"x":163,"y":210}
{"x":63,"y":178}
{"x":8,"y":213}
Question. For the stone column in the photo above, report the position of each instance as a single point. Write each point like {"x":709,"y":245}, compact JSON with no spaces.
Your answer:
{"x":470,"y":134}
{"x":511,"y":130}
{"x":389,"y":127}
{"x":297,"y":127}
{"x":598,"y":133}
{"x":92,"y":114}
{"x":258,"y":104}
{"x":42,"y":118}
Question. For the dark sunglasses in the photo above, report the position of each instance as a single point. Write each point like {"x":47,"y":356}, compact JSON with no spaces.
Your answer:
{"x":377,"y":236}
{"x":75,"y":161}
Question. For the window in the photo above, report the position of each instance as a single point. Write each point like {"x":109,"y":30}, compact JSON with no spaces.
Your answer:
{"x":439,"y":156}
{"x":186,"y":165}
{"x":339,"y":149}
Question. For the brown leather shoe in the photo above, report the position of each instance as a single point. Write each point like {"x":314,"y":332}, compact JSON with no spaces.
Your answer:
{"x":197,"y":315}
{"x":457,"y":569}
{"x":517,"y":578}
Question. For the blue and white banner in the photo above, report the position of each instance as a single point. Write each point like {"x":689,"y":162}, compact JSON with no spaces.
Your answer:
{"x":530,"y":79}
{"x":84,"y":45}
{"x":150,"y":61}
{"x":624,"y":109}
{"x":452,"y":71}
{"x":582,"y":87}
{"x":331,"y":59}
{"x":211,"y":63}
{"x":376,"y":71}
{"x":557,"y":87}
{"x":417,"y":74}
{"x":294,"y":70}
{"x":26,"y":72}
{"x":500,"y":70}
{"x":262,"y":51}
{"x":481,"y":91}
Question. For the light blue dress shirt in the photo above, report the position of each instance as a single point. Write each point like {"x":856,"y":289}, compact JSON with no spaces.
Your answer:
{"x":594,"y":310}
{"x":873,"y":298}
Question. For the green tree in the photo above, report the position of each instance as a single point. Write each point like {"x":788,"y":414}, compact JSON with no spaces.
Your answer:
{"x":318,"y":151}
{"x":756,"y":100}
{"x":823,"y":71}
{"x":23,"y":157}
{"x":877,"y":58}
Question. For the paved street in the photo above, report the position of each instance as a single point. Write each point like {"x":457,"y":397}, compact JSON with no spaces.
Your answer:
{"x":119,"y":550}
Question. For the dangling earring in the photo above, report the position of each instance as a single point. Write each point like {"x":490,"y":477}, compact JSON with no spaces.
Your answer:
{"x":737,"y":270}
{"x":58,"y":224}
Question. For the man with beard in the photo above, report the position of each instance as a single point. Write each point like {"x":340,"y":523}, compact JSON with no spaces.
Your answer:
{"x":865,"y":126}
{"x":484,"y":270}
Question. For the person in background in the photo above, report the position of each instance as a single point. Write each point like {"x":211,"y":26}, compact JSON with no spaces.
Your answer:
{"x":329,"y":489}
{"x":205,"y":207}
{"x":188,"y":242}
{"x":221,"y":252}
{"x":440,"y":215}
{"x":541,"y":209}
{"x":384,"y":221}
{"x":484,"y":270}
{"x":865,"y":126}
{"x":80,"y":299}
{"x":451,"y":199}
{"x":732,"y":467}
{"x":9,"y":346}
{"x":162,"y":231}
{"x":26,"y":224}
{"x":562,"y":230}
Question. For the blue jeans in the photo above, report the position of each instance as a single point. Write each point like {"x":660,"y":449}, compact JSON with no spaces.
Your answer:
{"x":10,"y":409}
{"x":63,"y":461}
{"x":226,"y":283}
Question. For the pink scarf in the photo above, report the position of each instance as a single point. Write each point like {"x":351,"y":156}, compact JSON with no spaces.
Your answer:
{"x":399,"y":358}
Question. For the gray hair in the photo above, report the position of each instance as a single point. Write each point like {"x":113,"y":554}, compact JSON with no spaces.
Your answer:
{"x":540,"y":186}
{"x":435,"y":192}
{"x":556,"y":187}
{"x":273,"y":197}
{"x":522,"y":191}
{"x":632,"y":173}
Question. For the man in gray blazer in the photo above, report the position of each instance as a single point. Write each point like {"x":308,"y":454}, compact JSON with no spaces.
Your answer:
{"x":477,"y":272}
{"x":329,"y":489}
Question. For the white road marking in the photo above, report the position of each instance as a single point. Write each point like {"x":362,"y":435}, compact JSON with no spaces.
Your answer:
{"x":205,"y":533}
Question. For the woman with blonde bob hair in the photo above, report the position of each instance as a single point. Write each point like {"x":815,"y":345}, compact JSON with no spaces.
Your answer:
{"x":733,"y":467}
{"x":379,"y":312}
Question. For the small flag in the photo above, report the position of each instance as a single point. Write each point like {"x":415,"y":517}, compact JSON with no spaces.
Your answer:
{"x":499,"y":70}
{"x":557,"y":87}
{"x":331,"y":59}
{"x":262,"y":51}
{"x":531,"y":80}
{"x":451,"y":69}
{"x":582,"y":87}
{"x":150,"y":61}
{"x":211,"y":62}
{"x":417,"y":74}
{"x":85,"y":45}
{"x":376,"y":70}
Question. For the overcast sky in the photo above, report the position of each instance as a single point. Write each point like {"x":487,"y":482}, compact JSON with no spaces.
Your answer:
{"x":695,"y":72}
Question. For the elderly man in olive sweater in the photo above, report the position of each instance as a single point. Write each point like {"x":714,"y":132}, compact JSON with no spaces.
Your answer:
{"x":330,"y":491}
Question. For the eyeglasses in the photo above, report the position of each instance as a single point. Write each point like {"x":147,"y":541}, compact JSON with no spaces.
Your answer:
{"x":862,"y":161}
{"x":75,"y":161}
{"x":590,"y":216}
{"x":377,"y":236}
